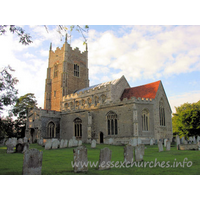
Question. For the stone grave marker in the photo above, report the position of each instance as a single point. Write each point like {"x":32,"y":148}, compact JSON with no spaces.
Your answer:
{"x":93,"y":144}
{"x":48,"y":144}
{"x":128,"y":154}
{"x":19,"y":148}
{"x":151,"y":142}
{"x":61,"y":146}
{"x":65,"y":144}
{"x":20,"y":141}
{"x":160,"y":146}
{"x":139,"y":152}
{"x":32,"y":162}
{"x":80,"y":157}
{"x":105,"y":158}
{"x":79,"y":142}
{"x":133,"y":142}
{"x":168,"y":145}
{"x":177,"y":140}
{"x":55,"y":144}
{"x":25,"y":139}
{"x":25,"y":147}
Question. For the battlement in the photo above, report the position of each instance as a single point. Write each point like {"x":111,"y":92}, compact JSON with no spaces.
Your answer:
{"x":74,"y":105}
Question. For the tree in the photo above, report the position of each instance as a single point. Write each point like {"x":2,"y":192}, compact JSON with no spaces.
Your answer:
{"x":23,"y":104}
{"x":186,"y":120}
{"x":24,"y":38}
{"x":8,"y":92}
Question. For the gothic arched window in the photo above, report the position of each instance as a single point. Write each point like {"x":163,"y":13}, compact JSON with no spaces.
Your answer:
{"x":162,"y":113}
{"x":145,"y":120}
{"x":112,"y":123}
{"x":96,"y":100}
{"x":51,"y":132}
{"x":78,"y":128}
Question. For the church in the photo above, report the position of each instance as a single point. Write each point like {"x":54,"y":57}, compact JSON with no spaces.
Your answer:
{"x":110,"y":112}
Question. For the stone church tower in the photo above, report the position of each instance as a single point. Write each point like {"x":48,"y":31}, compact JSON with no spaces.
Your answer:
{"x":67,"y":72}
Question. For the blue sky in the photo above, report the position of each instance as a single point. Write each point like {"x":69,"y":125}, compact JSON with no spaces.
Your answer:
{"x":143,"y":54}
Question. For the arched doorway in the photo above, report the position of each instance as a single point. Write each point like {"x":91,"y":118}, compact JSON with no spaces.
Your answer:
{"x":101,"y":138}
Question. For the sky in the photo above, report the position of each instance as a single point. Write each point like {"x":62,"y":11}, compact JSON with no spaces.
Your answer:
{"x":143,"y":54}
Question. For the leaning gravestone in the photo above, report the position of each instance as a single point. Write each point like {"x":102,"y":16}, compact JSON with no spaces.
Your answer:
{"x":105,"y":158}
{"x":80,"y":159}
{"x":151,"y":142}
{"x":139,"y":152}
{"x":48,"y":144}
{"x":32,"y":162}
{"x":93,"y":144}
{"x":55,"y":144}
{"x":165,"y":141}
{"x":168,"y":144}
{"x":160,"y":146}
{"x":133,"y":142}
{"x":128,"y":154}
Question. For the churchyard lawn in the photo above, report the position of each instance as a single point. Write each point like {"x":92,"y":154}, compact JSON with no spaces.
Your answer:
{"x":58,"y":161}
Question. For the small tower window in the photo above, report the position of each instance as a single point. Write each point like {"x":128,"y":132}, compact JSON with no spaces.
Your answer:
{"x":54,"y":93}
{"x":76,"y":70}
{"x":55,"y":70}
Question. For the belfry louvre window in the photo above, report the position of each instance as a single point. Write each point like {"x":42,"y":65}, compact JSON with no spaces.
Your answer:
{"x":162,"y":113}
{"x":55,"y":70}
{"x":76,"y":70}
{"x":78,"y":128}
{"x":145,"y":120}
{"x":112,"y":123}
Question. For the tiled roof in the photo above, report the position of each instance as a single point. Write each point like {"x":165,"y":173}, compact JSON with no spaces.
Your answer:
{"x":143,"y":91}
{"x":113,"y":82}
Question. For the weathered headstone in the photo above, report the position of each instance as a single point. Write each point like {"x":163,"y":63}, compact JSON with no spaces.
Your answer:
{"x":19,"y":148}
{"x":55,"y":144}
{"x":65,"y":144}
{"x":70,"y":143}
{"x":48,"y":144}
{"x":79,"y":142}
{"x":177,"y":140}
{"x":194,"y":140}
{"x":128,"y":154}
{"x":133,"y":142}
{"x":156,"y":142}
{"x":80,"y":159}
{"x":139,"y":152}
{"x":11,"y":143}
{"x":20,"y":141}
{"x":190,"y":139}
{"x":160,"y":146}
{"x":151,"y":142}
{"x":32,"y":162}
{"x":105,"y":158}
{"x":165,"y":141}
{"x":198,"y":139}
{"x":139,"y":141}
{"x":93,"y":144}
{"x":168,"y":145}
{"x":25,"y":147}
{"x":25,"y":139}
{"x":61,"y":146}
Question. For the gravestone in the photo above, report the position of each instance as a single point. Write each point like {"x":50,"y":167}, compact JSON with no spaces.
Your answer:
{"x":79,"y":142}
{"x":165,"y":141}
{"x":168,"y":145}
{"x":65,"y":144}
{"x":105,"y":158}
{"x":11,"y":143}
{"x":110,"y":141}
{"x":20,"y":141}
{"x":26,"y":147}
{"x":190,"y":139}
{"x":48,"y":144}
{"x":177,"y":140}
{"x":93,"y":144}
{"x":32,"y":162}
{"x":139,"y":153}
{"x":80,"y":159}
{"x":198,"y":138}
{"x":25,"y":139}
{"x":139,"y":141}
{"x":55,"y":144}
{"x":128,"y":154}
{"x":194,"y":140}
{"x":61,"y":146}
{"x":160,"y":146}
{"x":133,"y":142}
{"x":151,"y":142}
{"x":19,"y":148}
{"x":156,"y":142}
{"x":70,"y":143}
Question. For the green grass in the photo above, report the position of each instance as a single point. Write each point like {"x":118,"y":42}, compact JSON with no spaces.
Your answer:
{"x":58,"y":162}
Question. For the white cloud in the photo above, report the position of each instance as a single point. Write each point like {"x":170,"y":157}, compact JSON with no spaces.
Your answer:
{"x":177,"y":100}
{"x":28,"y":55}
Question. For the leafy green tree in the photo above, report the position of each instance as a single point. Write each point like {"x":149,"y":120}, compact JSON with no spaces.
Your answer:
{"x":20,"y":110}
{"x":186,"y":120}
